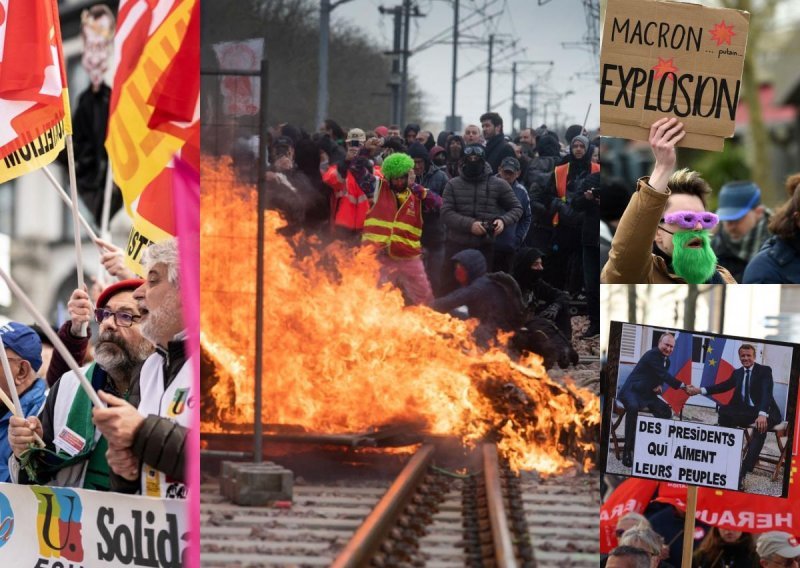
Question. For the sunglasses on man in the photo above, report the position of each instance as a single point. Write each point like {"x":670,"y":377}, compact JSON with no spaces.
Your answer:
{"x":689,"y":219}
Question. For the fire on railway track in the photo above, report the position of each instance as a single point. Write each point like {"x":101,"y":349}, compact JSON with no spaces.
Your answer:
{"x":342,"y":354}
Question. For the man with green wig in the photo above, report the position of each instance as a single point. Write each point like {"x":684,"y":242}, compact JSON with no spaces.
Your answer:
{"x":394,"y":226}
{"x":664,"y":235}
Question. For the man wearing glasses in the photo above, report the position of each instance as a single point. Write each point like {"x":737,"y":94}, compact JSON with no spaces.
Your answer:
{"x":778,"y":550}
{"x":477,"y":207}
{"x":75,"y":452}
{"x":664,"y":234}
{"x":24,"y":351}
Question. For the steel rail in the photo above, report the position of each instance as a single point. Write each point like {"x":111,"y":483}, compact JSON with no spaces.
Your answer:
{"x":498,"y":519}
{"x":373,"y":530}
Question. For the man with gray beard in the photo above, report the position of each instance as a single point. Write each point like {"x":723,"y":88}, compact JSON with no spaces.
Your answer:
{"x":148,"y":444}
{"x":76,"y":453}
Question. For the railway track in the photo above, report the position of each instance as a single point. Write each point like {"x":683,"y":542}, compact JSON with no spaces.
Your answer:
{"x":425,"y":517}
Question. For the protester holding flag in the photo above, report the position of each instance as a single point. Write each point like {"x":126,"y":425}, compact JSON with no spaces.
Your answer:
{"x":149,"y":444}
{"x":641,"y":390}
{"x":664,"y":234}
{"x":75,"y":452}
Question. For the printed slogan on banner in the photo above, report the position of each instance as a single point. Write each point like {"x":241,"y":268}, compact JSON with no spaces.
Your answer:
{"x":671,"y":59}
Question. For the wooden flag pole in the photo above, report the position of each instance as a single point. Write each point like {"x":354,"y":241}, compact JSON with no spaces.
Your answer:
{"x":10,"y":405}
{"x":105,"y":218}
{"x":57,"y":343}
{"x":688,"y":526}
{"x":73,"y":191}
{"x":65,"y":198}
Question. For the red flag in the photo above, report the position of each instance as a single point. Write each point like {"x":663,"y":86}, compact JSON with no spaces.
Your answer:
{"x":632,"y":496}
{"x":681,"y":368}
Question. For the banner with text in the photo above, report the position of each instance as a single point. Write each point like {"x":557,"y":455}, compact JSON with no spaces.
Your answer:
{"x":663,"y":58}
{"x":683,"y":452}
{"x":56,"y":527}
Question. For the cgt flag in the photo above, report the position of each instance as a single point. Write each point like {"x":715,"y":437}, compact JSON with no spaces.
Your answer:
{"x":720,"y":363}
{"x":34,"y":104}
{"x":680,"y":367}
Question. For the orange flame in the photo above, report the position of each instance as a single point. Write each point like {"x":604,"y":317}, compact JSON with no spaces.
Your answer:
{"x":342,"y":354}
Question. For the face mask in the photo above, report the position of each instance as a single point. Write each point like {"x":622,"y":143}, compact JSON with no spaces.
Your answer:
{"x":473,"y":168}
{"x":694,"y":264}
{"x":440,"y":160}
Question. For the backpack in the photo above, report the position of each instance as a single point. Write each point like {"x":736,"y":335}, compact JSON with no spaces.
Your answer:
{"x":512,"y":292}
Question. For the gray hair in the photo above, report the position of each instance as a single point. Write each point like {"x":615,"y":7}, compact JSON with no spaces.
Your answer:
{"x":640,"y":557}
{"x":647,"y":539}
{"x":165,"y":252}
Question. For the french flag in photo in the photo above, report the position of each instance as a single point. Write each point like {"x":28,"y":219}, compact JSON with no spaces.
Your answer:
{"x":720,"y":363}
{"x":680,"y":367}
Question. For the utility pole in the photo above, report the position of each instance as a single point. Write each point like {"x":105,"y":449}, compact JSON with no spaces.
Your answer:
{"x":514,"y":95}
{"x":395,"y":80}
{"x":530,"y":103}
{"x":489,"y":82}
{"x":325,"y":9}
{"x":452,"y":125}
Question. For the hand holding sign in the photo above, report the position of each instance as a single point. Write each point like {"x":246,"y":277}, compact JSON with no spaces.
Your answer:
{"x":664,"y":135}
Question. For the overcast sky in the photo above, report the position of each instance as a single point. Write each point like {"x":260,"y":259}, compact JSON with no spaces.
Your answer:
{"x":539,"y":32}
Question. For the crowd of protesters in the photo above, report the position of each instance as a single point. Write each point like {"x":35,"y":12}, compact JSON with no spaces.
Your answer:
{"x":656,"y":541}
{"x":664,"y":231}
{"x":455,"y":217}
{"x":136,"y":442}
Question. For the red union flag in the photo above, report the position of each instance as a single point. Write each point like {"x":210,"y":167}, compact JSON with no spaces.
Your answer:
{"x":34,"y":106}
{"x":147,"y":124}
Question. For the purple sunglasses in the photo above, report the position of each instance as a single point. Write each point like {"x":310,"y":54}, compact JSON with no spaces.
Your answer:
{"x":688,"y":219}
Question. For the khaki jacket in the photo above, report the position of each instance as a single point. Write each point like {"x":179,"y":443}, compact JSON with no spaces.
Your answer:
{"x":631,"y":260}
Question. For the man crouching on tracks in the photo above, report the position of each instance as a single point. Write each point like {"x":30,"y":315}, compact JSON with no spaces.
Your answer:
{"x":149,"y":445}
{"x":663,"y":236}
{"x":75,"y":453}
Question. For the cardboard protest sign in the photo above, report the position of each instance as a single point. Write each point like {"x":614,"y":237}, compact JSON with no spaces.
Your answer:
{"x":676,"y":59}
{"x":698,"y":454}
{"x":57,"y":527}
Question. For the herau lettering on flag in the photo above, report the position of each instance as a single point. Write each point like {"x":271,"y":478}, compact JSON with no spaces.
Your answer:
{"x":34,"y":103}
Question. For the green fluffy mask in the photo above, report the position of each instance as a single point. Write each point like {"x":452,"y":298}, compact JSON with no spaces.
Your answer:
{"x":695,"y":264}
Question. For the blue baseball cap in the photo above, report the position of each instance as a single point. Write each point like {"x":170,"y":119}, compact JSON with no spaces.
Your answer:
{"x":736,"y":199}
{"x":23,"y":341}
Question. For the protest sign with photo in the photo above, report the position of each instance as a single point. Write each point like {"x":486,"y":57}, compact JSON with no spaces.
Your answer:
{"x":700,"y":408}
{"x":671,"y":59}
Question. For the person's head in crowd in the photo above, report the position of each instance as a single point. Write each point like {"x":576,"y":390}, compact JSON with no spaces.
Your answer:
{"x":579,"y":146}
{"x":616,"y":195}
{"x":739,"y":208}
{"x":24,"y":351}
{"x":517,"y":150}
{"x":629,"y":521}
{"x":295,"y":133}
{"x":718,"y":541}
{"x":645,"y":539}
{"x":547,"y":146}
{"x":441,"y":139}
{"x":159,"y":298}
{"x":528,"y":267}
{"x":628,"y":557}
{"x":472,"y":165}
{"x":307,"y":159}
{"x":393,"y":130}
{"x":47,"y":349}
{"x":472,"y":134}
{"x":527,"y":142}
{"x":777,"y":549}
{"x":595,"y":154}
{"x":381,"y":131}
{"x":425,"y":137}
{"x":509,"y":170}
{"x":491,"y":124}
{"x":419,"y":154}
{"x":120,"y":346}
{"x":97,"y":32}
{"x":786,"y":220}
{"x":683,"y":232}
{"x":282,"y":153}
{"x":397,"y":170}
{"x":410,"y":133}
{"x":354,"y":142}
{"x":332,"y":129}
{"x":455,"y":148}
{"x":573,"y":131}
{"x":438,"y":156}
{"x":392,"y":145}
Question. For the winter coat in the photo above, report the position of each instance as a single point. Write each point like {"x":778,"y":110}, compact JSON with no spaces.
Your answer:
{"x":778,"y":262}
{"x":482,"y":199}
{"x":486,"y":299}
{"x":736,"y":256}
{"x":631,"y":259}
{"x":31,"y":402}
{"x":731,"y":555}
{"x":498,"y":148}
{"x":513,"y":236}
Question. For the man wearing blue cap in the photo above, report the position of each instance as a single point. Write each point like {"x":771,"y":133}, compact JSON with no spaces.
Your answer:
{"x":744,"y":226}
{"x":24,"y":352}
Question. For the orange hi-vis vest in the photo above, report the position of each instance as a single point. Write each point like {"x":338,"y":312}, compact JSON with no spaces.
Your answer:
{"x":351,"y":202}
{"x":562,"y":172}
{"x":398,"y":229}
